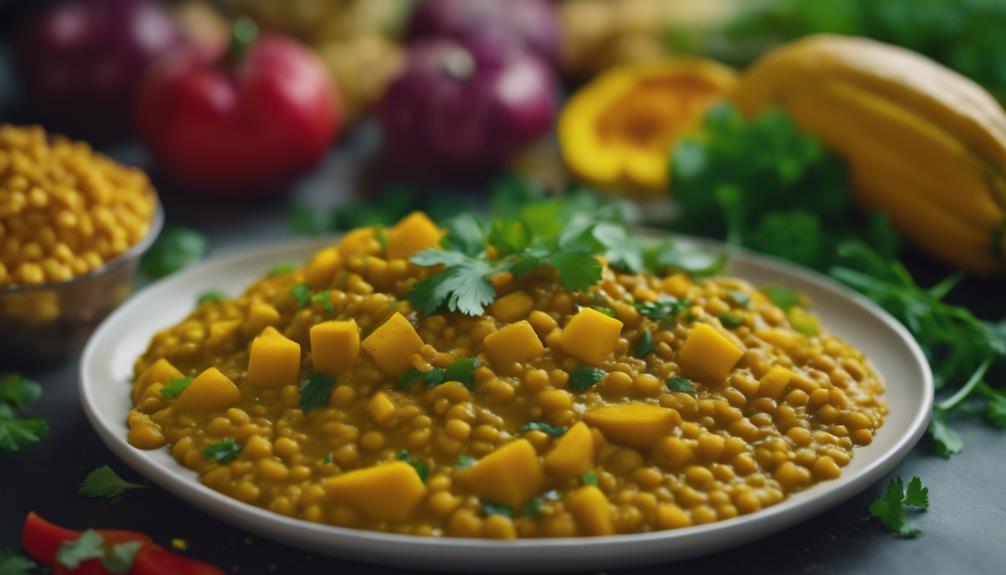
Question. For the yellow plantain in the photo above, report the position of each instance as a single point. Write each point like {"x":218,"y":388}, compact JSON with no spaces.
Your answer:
{"x":924,"y":144}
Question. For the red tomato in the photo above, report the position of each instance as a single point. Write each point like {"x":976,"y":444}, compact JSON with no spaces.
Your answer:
{"x":247,"y":126}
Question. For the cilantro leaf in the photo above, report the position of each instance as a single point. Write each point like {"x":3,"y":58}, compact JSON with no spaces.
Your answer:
{"x":322,"y":298}
{"x":890,"y":508}
{"x":18,"y":391}
{"x":432,"y":378}
{"x":315,"y":391}
{"x":583,"y":377}
{"x":464,"y":235}
{"x":15,"y":564}
{"x":464,"y":461}
{"x":546,"y":428}
{"x":533,"y":508}
{"x":589,"y":477}
{"x":17,"y":433}
{"x":222,"y":452}
{"x":668,"y":256}
{"x":577,"y":270}
{"x":490,"y":508}
{"x":422,"y":469}
{"x":301,"y":294}
{"x":175,"y":387}
{"x":945,"y":440}
{"x":462,"y":286}
{"x":104,"y":482}
{"x":119,"y":559}
{"x":509,"y":237}
{"x":462,"y":370}
{"x":782,"y":297}
{"x":662,"y":309}
{"x":743,"y":299}
{"x":731,"y":320}
{"x":681,"y":384}
{"x":212,"y":296}
{"x":995,"y":405}
{"x":175,"y":248}
{"x":281,"y":270}
{"x":644,"y":345}
{"x":327,"y":459}
{"x":90,"y":545}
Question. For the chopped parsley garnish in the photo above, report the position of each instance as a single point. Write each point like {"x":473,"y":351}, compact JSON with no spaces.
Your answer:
{"x":583,"y":377}
{"x":606,"y":311}
{"x":422,"y":469}
{"x":175,"y":387}
{"x":281,"y":270}
{"x":16,"y":393}
{"x":327,"y":459}
{"x":464,"y":461}
{"x":891,"y":508}
{"x":644,"y":345}
{"x":104,"y":482}
{"x":490,"y":508}
{"x":412,"y":376}
{"x":462,"y":370}
{"x":589,"y":477}
{"x":212,"y":296}
{"x":662,"y":309}
{"x":533,"y":508}
{"x":301,"y":294}
{"x":222,"y":452}
{"x":680,"y":384}
{"x":731,"y":320}
{"x":324,"y":300}
{"x":546,"y":428}
{"x":315,"y":391}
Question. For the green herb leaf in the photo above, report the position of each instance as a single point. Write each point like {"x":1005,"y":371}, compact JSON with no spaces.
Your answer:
{"x":305,"y":220}
{"x":743,"y":299}
{"x":422,"y":469}
{"x":681,"y":384}
{"x":583,"y":377}
{"x":301,"y":294}
{"x":90,"y":545}
{"x":119,"y":559}
{"x":104,"y":482}
{"x":577,"y":270}
{"x":464,"y":235}
{"x":995,"y":405}
{"x":327,"y":459}
{"x":175,"y":248}
{"x":546,"y":428}
{"x":782,"y":297}
{"x":212,"y":296}
{"x":15,"y":564}
{"x":589,"y":477}
{"x":175,"y":387}
{"x":222,"y":452}
{"x":463,"y":287}
{"x":281,"y":270}
{"x":325,"y":301}
{"x":510,"y":237}
{"x":18,"y":391}
{"x":662,"y":309}
{"x":431,"y":378}
{"x":533,"y":508}
{"x":464,"y":461}
{"x":462,"y":370}
{"x":18,"y":433}
{"x":644,"y":344}
{"x":890,"y":508}
{"x":731,"y":320}
{"x":382,"y":237}
{"x":945,"y":440}
{"x":315,"y":391}
{"x":490,"y":508}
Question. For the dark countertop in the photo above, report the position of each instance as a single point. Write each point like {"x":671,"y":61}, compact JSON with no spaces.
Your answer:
{"x":962,"y":532}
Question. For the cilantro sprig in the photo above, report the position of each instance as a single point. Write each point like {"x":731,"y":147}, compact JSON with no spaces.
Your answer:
{"x":891,"y":508}
{"x":117,"y":558}
{"x":15,"y":564}
{"x":175,"y":387}
{"x":16,"y":394}
{"x":315,"y":391}
{"x":223,"y":452}
{"x":421,"y":467}
{"x":105,"y":482}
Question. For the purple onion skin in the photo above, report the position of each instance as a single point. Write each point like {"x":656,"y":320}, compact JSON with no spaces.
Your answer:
{"x":80,"y":61}
{"x":529,"y":24}
{"x":456,"y":113}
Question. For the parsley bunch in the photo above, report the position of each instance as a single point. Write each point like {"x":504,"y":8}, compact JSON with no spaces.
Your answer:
{"x":16,"y":432}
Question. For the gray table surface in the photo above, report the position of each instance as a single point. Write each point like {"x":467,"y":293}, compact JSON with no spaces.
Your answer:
{"x":964,"y":531}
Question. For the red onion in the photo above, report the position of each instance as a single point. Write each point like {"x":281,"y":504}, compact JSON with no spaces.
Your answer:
{"x":530,"y":24}
{"x":80,"y":61}
{"x":457,"y":112}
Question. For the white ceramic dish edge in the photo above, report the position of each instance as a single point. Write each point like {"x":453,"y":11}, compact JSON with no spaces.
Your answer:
{"x":98,"y":361}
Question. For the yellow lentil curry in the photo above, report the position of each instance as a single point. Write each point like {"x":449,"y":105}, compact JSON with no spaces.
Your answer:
{"x":321,"y":393}
{"x":64,"y":209}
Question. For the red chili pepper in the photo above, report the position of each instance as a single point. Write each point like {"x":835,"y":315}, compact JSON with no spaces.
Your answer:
{"x":42,"y":540}
{"x":247,"y":121}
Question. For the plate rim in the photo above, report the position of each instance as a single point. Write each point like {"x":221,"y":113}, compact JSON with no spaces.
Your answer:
{"x":355,"y":543}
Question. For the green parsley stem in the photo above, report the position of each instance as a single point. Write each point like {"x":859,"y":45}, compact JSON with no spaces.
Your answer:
{"x":952,"y":401}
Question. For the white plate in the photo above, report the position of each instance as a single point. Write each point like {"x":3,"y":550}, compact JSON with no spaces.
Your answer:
{"x":106,"y":368}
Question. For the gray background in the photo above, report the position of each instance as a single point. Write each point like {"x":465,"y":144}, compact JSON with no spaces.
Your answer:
{"x":964,"y":531}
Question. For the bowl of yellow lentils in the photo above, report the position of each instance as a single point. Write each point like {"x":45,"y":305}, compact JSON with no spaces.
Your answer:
{"x":73,"y":225}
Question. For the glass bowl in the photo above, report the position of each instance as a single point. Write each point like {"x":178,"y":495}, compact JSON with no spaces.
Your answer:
{"x":50,"y":322}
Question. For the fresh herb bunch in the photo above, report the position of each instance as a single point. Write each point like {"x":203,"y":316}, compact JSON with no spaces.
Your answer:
{"x":891,"y":508}
{"x":16,"y":394}
{"x":764,"y":185}
{"x":957,"y":34}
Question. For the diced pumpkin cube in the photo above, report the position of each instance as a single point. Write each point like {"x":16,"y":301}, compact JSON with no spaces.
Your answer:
{"x":274,"y":360}
{"x":591,"y":510}
{"x":392,"y":344}
{"x":143,"y":432}
{"x":381,"y":408}
{"x":638,"y":425}
{"x":515,"y":342}
{"x":361,"y":241}
{"x":512,"y":307}
{"x":786,"y":340}
{"x":335,"y":346}
{"x":222,"y":333}
{"x":590,"y":336}
{"x":707,"y":355}
{"x":677,"y":285}
{"x":774,"y":383}
{"x":511,"y":475}
{"x":260,"y":316}
{"x":388,"y":492}
{"x":320,"y":271}
{"x":574,"y":454}
{"x":415,"y":232}
{"x":211,"y":390}
{"x":161,"y":371}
